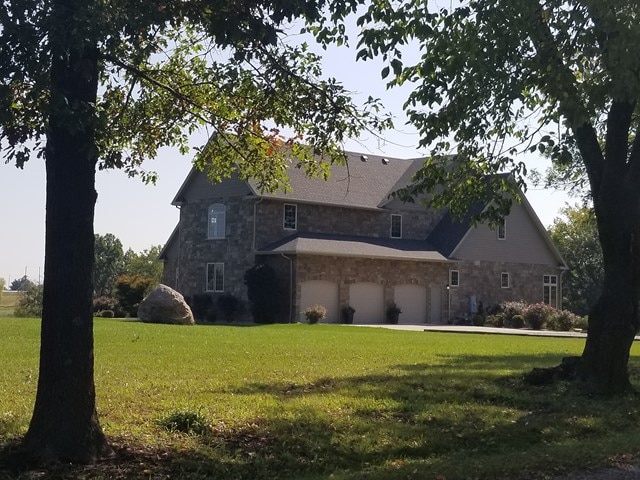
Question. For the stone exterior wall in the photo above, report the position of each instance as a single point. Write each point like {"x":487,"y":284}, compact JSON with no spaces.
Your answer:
{"x":388,"y":273}
{"x":196,"y":250}
{"x":416,"y":225}
{"x":482,"y":279}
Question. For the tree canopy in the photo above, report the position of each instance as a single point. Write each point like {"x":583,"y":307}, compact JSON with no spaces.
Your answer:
{"x":575,"y":234}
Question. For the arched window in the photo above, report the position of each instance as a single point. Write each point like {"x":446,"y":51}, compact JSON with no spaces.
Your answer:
{"x":216,"y":221}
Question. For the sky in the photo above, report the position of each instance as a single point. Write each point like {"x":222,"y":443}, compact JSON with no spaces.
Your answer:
{"x":141,"y":215}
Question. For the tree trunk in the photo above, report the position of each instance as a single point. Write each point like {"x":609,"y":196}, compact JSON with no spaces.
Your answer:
{"x":65,"y":425}
{"x":614,"y":320}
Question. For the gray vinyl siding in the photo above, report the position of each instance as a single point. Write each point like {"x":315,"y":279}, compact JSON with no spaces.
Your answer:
{"x":200,"y":187}
{"x":523,"y":244}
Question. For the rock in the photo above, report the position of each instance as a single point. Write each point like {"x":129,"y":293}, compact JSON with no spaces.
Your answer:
{"x":165,"y":305}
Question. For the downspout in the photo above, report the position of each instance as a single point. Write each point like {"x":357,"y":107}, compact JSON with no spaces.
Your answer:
{"x":255,"y":218}
{"x":290,"y":285}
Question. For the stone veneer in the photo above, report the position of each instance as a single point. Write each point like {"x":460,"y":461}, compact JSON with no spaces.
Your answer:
{"x":482,"y":279}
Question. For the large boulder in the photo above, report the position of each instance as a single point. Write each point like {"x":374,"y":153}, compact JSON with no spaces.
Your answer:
{"x":165,"y":305}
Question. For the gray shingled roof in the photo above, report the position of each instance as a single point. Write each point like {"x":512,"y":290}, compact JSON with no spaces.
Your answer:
{"x":449,"y":232}
{"x":353,"y":246}
{"x":357,"y":184}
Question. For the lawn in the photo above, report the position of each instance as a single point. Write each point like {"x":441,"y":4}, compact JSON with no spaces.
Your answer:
{"x":317,"y":401}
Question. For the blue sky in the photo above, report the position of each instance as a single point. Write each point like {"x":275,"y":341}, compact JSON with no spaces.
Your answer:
{"x":141,"y":215}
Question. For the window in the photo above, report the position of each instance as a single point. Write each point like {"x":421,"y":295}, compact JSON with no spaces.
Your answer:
{"x":217,"y":214}
{"x":504,"y":280}
{"x":215,"y":277}
{"x":550,"y":290}
{"x":502,"y":230}
{"x":290,"y":216}
{"x":396,"y":226}
{"x":454,"y":278}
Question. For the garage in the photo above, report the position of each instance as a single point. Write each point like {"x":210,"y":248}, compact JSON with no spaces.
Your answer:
{"x":368,"y":301}
{"x":320,"y":292}
{"x":412,"y":300}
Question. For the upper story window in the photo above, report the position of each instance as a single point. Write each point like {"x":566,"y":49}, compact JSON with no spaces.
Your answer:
{"x":216,"y":221}
{"x":396,"y":226}
{"x":550,"y":290}
{"x":454,"y":278}
{"x":290,"y":216}
{"x":215,"y":277}
{"x":504,"y":280}
{"x":502,"y":230}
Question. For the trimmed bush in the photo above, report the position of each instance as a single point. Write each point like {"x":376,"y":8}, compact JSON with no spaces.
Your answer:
{"x":347,"y":313}
{"x":496,"y":320}
{"x":228,"y":306}
{"x":517,"y":321}
{"x":478,"y":320}
{"x":130,"y":290}
{"x":202,"y":307}
{"x":538,"y":314}
{"x":263,"y":293}
{"x":106,"y":314}
{"x":315,"y":313}
{"x":104,"y":302}
{"x":563,"y":321}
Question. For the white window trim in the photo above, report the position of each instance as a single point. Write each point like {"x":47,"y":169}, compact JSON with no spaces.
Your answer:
{"x":206,"y":280}
{"x":550,"y":285}
{"x":451,"y":284}
{"x":284,"y":216}
{"x":391,"y":225}
{"x":223,"y":211}
{"x":508,"y":280}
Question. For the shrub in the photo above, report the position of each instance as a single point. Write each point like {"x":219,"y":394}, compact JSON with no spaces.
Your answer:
{"x":185,"y":421}
{"x":130,"y":290}
{"x":509,"y":309}
{"x":103,"y":302}
{"x":582,"y":323}
{"x":347,"y":313}
{"x":517,"y":321}
{"x":107,"y":314}
{"x":563,"y":321}
{"x":263,"y":293}
{"x":496,"y":320}
{"x":202,"y":307}
{"x":315,"y":313}
{"x":538,"y":314}
{"x":393,"y":313}
{"x":30,"y":304}
{"x":478,"y":320}
{"x":228,"y":305}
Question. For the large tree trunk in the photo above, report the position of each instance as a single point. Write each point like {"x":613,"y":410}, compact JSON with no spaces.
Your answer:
{"x":65,"y":425}
{"x":614,"y":320}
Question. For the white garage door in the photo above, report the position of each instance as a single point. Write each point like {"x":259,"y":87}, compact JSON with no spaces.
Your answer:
{"x":368,"y":301}
{"x":320,"y":292}
{"x":412,"y":300}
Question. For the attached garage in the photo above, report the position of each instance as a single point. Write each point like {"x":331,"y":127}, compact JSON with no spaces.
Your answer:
{"x":320,"y":292}
{"x":368,"y":301}
{"x":412,"y":300}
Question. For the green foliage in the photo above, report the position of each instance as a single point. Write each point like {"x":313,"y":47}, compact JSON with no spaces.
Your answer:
{"x":537,"y":315}
{"x":185,"y":421}
{"x":315,"y":313}
{"x":263,"y":293}
{"x":22,"y":284}
{"x":30,"y":304}
{"x":228,"y":306}
{"x":107,"y":314}
{"x":516,"y":321}
{"x":145,"y":263}
{"x":346,"y":314}
{"x":130,"y":290}
{"x":2,"y":285}
{"x":576,"y":236}
{"x":109,"y":262}
{"x":202,"y":307}
{"x":564,"y":321}
{"x":393,"y":313}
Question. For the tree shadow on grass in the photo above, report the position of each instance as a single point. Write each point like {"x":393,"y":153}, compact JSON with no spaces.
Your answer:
{"x":460,"y":418}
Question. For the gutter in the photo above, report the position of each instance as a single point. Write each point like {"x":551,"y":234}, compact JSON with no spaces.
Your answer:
{"x":290,"y":285}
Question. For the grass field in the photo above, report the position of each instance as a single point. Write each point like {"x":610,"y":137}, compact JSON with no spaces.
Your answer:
{"x":8,"y":302}
{"x":315,"y":402}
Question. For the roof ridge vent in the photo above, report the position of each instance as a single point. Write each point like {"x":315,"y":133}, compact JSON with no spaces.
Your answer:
{"x":364,"y":158}
{"x":385,"y":161}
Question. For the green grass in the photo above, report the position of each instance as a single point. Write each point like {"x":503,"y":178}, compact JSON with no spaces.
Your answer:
{"x":316,"y":401}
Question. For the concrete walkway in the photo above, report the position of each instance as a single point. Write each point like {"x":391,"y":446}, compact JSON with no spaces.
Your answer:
{"x":482,"y":330}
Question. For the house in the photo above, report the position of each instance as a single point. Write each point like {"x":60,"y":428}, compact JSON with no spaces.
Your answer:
{"x":345,"y":241}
